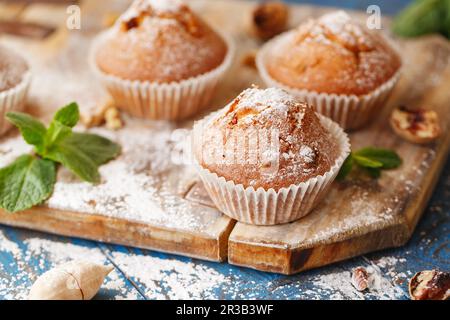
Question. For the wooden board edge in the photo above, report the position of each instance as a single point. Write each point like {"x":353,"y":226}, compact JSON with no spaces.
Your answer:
{"x":417,"y":205}
{"x":294,"y":260}
{"x":224,"y":238}
{"x":118,"y":231}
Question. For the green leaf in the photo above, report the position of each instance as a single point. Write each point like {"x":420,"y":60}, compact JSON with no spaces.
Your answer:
{"x":373,"y":172}
{"x":367,"y":162}
{"x":346,"y":167}
{"x":388,"y":158}
{"x":96,"y":147}
{"x":33,"y":131}
{"x":68,"y":115}
{"x":82,"y":153}
{"x":421,"y":17}
{"x":56,"y":132}
{"x":26,"y":182}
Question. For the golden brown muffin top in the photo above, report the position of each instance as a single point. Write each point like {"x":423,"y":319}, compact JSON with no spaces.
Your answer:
{"x":265,"y":138}
{"x":161,"y":41}
{"x":332,"y":54}
{"x":12,"y":69}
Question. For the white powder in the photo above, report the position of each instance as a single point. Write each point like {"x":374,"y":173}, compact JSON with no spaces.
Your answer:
{"x":157,"y":6}
{"x":307,"y":154}
{"x":142,"y":185}
{"x":11,"y":148}
{"x":339,"y":286}
{"x":170,"y":278}
{"x":8,"y":246}
{"x":12,"y":68}
{"x":265,"y":103}
{"x":43,"y":254}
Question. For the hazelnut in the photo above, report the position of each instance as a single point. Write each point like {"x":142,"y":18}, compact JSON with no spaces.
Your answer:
{"x":248,"y":59}
{"x":112,"y":119}
{"x":94,"y":112}
{"x":417,"y":126}
{"x":269,"y":19}
{"x":360,"y":278}
{"x":430,"y":285}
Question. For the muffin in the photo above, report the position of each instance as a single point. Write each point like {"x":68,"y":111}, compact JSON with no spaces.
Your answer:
{"x":160,"y":60}
{"x":14,"y":83}
{"x":340,"y":67}
{"x":267,"y":158}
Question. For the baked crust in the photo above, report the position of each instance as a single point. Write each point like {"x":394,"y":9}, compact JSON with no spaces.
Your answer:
{"x":332,"y":54}
{"x":232,"y":143}
{"x":160,"y":41}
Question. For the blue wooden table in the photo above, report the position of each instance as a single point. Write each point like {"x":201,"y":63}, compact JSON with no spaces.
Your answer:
{"x":143,"y":274}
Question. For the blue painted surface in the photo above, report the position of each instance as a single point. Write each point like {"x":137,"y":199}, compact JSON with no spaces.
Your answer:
{"x":24,"y":255}
{"x":389,"y":7}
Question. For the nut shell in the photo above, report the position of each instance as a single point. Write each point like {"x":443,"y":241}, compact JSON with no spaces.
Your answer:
{"x":430,"y":285}
{"x":75,"y":280}
{"x":269,"y":19}
{"x":416,"y":126}
{"x":360,"y":279}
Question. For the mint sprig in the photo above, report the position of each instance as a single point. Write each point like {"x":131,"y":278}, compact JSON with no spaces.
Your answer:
{"x":30,"y":179}
{"x":371,"y":160}
{"x":26,"y":182}
{"x":423,"y":17}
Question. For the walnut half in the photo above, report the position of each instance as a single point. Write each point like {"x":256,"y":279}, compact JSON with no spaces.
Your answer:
{"x":417,"y":126}
{"x":430,"y":285}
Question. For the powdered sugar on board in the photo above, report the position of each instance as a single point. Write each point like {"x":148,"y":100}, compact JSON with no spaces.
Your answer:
{"x":141,"y":185}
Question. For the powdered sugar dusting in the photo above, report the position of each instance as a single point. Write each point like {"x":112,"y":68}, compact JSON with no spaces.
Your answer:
{"x":261,"y":99}
{"x":332,"y":54}
{"x":341,"y":25}
{"x":338,"y":285}
{"x":307,"y":153}
{"x":186,"y":280}
{"x":12,"y":69}
{"x":173,"y":278}
{"x":157,"y":6}
{"x":45,"y":254}
{"x":142,"y":185}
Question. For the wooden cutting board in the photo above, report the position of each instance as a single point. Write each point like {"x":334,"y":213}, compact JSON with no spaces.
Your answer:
{"x":146,"y":201}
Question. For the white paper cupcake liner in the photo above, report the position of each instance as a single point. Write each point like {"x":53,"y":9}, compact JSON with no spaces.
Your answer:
{"x":270,"y":207}
{"x":164,"y":101}
{"x":13,"y":100}
{"x":350,"y":111}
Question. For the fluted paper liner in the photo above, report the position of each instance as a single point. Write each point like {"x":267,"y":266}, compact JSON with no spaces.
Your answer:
{"x":350,"y":111}
{"x":270,"y":207}
{"x":13,"y":99}
{"x":164,"y":101}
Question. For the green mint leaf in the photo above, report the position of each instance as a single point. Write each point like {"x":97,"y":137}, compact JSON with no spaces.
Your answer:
{"x":366,"y":162}
{"x":82,"y":153}
{"x":388,"y":158}
{"x":26,"y":182}
{"x":373,"y":172}
{"x":96,"y":147}
{"x":421,"y":17}
{"x":346,"y":167}
{"x":56,"y":132}
{"x":32,"y":130}
{"x":68,"y":115}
